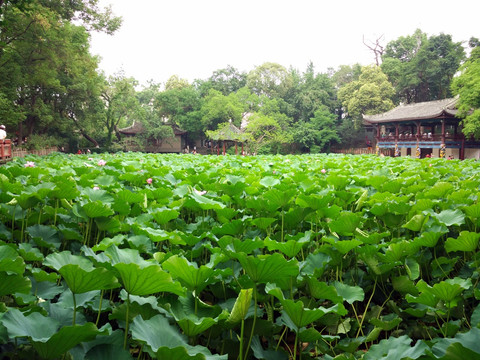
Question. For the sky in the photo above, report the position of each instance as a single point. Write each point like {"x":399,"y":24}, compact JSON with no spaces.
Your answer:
{"x":193,"y":38}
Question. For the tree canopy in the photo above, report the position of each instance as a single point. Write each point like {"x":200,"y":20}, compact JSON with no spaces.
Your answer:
{"x":50,"y":84}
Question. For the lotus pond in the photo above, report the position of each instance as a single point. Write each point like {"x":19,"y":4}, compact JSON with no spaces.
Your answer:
{"x":142,"y":256}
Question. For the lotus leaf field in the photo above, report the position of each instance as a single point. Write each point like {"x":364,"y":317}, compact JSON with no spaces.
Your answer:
{"x":144,"y":256}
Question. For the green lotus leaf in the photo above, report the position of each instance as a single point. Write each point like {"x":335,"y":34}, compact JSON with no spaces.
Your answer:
{"x":466,"y":241}
{"x":29,"y":253}
{"x":241,"y":306}
{"x":60,"y":259}
{"x":164,"y":215}
{"x":413,"y":268}
{"x":65,"y":188}
{"x":416,"y":222}
{"x":386,"y":323}
{"x":44,"y":235}
{"x":313,"y":201}
{"x":190,"y":275}
{"x":462,"y":346}
{"x":194,"y":316}
{"x":345,"y":224}
{"x":98,"y":196}
{"x":37,"y":327}
{"x":206,"y":203}
{"x":80,"y":280}
{"x":428,"y":239}
{"x":69,"y":233}
{"x":127,"y":256}
{"x":396,"y":349}
{"x":338,"y":181}
{"x":14,"y":283}
{"x":315,"y":264}
{"x":294,"y":313}
{"x":321,"y":290}
{"x":404,"y":285}
{"x":10,"y":261}
{"x":349,"y":293}
{"x":263,"y":222}
{"x":273,"y":354}
{"x":276,"y":199}
{"x":97,"y":209}
{"x":105,"y":180}
{"x":147,"y":280}
{"x":233,"y":228}
{"x":269,"y":181}
{"x":65,"y":339}
{"x":291,"y":247}
{"x":439,"y":190}
{"x":226,"y":214}
{"x":450,"y":217}
{"x":112,"y":225}
{"x":473,"y":213}
{"x":28,"y":201}
{"x":107,"y":348}
{"x":166,"y":341}
{"x":269,"y":268}
{"x":234,"y":245}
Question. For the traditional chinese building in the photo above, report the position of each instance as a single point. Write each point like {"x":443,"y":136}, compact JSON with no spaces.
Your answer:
{"x":175,"y":144}
{"x":423,"y":129}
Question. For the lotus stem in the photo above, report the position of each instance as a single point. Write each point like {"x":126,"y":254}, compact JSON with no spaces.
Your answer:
{"x":74,"y":309}
{"x":366,"y":308}
{"x":295,"y":344}
{"x":99,"y":307}
{"x":240,"y":352}
{"x":254,"y":320}
{"x":125,"y":338}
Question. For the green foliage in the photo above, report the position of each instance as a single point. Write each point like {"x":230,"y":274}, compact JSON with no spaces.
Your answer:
{"x":420,"y":67}
{"x":372,"y":93}
{"x":347,"y":254}
{"x":466,"y":86}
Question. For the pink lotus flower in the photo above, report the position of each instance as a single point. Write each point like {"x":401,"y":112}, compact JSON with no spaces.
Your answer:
{"x":90,"y":159}
{"x":323,"y":171}
{"x":101,"y":162}
{"x":96,"y":187}
{"x":200,"y":192}
{"x":149,"y":180}
{"x":29,"y":164}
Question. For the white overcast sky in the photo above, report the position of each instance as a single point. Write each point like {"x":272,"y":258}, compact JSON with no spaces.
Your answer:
{"x":193,"y":38}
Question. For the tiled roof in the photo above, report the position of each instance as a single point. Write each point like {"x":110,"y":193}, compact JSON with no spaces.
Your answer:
{"x":418,"y":111}
{"x":137,"y":128}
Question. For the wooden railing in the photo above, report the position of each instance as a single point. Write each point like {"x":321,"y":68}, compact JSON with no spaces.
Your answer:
{"x":39,"y":152}
{"x":5,"y":150}
{"x":354,"y":151}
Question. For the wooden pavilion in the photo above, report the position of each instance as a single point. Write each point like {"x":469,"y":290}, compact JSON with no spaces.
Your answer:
{"x":421,"y":130}
{"x":225,"y":134}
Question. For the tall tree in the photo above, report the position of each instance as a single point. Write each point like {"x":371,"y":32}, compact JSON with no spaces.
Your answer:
{"x":421,"y":68}
{"x":182,"y":107}
{"x":319,"y":133}
{"x":270,"y":79}
{"x":372,"y":93}
{"x":121,"y":104}
{"x":467,"y":86}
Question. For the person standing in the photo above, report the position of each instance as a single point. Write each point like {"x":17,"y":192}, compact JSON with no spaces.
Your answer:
{"x":3,"y":133}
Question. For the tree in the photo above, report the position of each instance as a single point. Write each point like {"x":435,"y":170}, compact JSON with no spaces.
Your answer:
{"x":181,"y":107}
{"x":219,"y":108}
{"x":121,"y":104}
{"x":264,"y":132}
{"x":269,"y":79}
{"x":421,"y":68}
{"x":466,"y":85}
{"x":372,"y":93}
{"x":319,"y":133}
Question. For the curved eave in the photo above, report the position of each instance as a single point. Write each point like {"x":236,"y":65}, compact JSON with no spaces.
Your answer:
{"x":436,"y":116}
